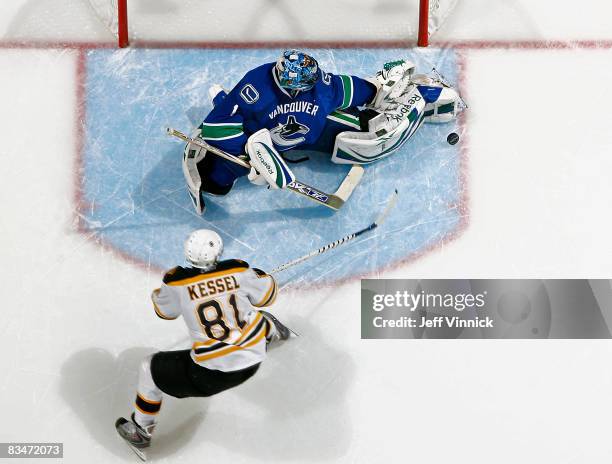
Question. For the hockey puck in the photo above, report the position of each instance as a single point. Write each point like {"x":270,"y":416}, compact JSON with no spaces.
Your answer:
{"x":452,"y":138}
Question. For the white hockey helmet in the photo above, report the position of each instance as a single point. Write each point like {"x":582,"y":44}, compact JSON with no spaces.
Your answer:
{"x":203,"y":248}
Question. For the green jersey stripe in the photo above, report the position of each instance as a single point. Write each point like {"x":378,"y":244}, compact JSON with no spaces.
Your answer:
{"x":346,"y":116}
{"x":347,"y":86}
{"x":224,"y":138}
{"x":221,"y":131}
{"x":343,"y":118}
{"x":217,"y":124}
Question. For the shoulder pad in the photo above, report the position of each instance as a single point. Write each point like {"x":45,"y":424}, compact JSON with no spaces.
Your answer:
{"x":248,"y":93}
{"x":252,"y":87}
{"x":180,"y":273}
{"x":230,"y":264}
{"x":326,"y":78}
{"x":255,"y":89}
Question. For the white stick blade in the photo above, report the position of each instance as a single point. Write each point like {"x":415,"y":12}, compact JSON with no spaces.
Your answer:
{"x":349,"y":183}
{"x":390,"y":204}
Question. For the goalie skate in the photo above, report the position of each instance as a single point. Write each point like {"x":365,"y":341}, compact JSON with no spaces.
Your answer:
{"x":437,"y":77}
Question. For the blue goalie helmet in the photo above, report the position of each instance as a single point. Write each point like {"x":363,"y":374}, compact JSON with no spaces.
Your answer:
{"x":297,"y":70}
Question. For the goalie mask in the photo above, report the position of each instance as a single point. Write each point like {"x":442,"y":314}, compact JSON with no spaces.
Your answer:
{"x":297,"y":70}
{"x":203,"y":248}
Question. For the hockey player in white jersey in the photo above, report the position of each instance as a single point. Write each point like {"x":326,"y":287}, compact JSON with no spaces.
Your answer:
{"x":219,"y":302}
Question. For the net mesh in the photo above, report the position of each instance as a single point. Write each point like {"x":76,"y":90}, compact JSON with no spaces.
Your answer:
{"x":439,"y":10}
{"x":261,"y":20}
{"x":107,"y":13}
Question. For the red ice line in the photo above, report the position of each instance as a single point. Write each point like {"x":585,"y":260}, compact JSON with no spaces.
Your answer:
{"x":79,"y":199}
{"x":461,"y":46}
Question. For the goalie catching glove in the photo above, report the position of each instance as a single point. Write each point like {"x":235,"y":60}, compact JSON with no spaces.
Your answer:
{"x":403,"y":102}
{"x":391,"y":83}
{"x":267,"y":165}
{"x":388,"y":131}
{"x":395,"y":85}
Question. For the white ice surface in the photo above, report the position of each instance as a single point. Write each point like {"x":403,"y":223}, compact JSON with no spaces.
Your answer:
{"x":539,"y":193}
{"x":76,"y":319}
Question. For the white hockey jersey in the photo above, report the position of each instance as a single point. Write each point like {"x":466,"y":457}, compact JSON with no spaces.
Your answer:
{"x":219,"y":308}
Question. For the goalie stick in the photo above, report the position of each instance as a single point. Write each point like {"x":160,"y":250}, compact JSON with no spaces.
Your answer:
{"x":379,"y":220}
{"x":334,"y":200}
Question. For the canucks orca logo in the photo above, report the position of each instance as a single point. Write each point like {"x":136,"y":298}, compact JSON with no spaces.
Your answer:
{"x":283,"y":134}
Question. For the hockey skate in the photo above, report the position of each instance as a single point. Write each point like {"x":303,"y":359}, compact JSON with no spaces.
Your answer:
{"x":138,"y":438}
{"x":282,"y":332}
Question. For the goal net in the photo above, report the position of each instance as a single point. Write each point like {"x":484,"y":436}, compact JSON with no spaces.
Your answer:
{"x":197,"y":21}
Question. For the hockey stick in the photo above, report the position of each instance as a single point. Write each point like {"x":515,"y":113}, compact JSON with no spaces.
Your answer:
{"x":295,"y":161}
{"x":379,"y":220}
{"x":334,"y":200}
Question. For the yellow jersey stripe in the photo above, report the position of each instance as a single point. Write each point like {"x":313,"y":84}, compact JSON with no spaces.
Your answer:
{"x":209,"y":342}
{"x":209,"y":275}
{"x":230,"y":349}
{"x":160,"y":314}
{"x":272,"y":298}
{"x":220,"y":352}
{"x":226,"y":348}
{"x":257,"y":339}
{"x":249,"y":328}
{"x":270,"y":291}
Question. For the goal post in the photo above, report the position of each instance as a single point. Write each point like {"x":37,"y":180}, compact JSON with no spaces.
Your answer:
{"x":423,"y":39}
{"x":432,"y":14}
{"x":419,"y":20}
{"x":122,"y":18}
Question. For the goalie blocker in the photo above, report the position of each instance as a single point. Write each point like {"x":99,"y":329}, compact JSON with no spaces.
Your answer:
{"x":334,"y":200}
{"x":267,"y":165}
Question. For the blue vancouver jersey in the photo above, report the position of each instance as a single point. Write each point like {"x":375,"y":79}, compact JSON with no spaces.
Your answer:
{"x":258,"y":101}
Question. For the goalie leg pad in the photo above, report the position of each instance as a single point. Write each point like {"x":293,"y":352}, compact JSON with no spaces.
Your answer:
{"x":267,"y":161}
{"x":367,"y":147}
{"x":388,"y":132}
{"x":443,"y":102}
{"x":192,"y":155}
{"x":446,"y":108}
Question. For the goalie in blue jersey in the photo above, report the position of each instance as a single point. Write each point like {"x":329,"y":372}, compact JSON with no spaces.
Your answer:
{"x":293,"y":104}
